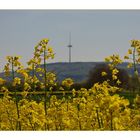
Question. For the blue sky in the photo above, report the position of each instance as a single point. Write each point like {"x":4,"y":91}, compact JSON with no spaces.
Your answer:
{"x":95,"y":33}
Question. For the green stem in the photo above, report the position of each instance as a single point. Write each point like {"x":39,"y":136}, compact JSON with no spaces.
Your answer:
{"x":18,"y":126}
{"x":134,"y":59}
{"x":13,"y":73}
{"x":111,"y":121}
{"x":33,"y":78}
{"x":99,"y":123}
{"x":45,"y":90}
{"x":78,"y":107}
{"x":31,"y":124}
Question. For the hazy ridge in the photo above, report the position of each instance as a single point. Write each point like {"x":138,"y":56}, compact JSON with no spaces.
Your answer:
{"x":78,"y":71}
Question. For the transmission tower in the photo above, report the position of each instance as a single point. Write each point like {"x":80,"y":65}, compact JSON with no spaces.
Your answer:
{"x":69,"y":46}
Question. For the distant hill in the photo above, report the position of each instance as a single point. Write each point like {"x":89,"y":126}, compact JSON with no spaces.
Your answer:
{"x":78,"y":71}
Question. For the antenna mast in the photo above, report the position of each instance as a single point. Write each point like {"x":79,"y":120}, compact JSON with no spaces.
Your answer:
{"x":70,"y":46}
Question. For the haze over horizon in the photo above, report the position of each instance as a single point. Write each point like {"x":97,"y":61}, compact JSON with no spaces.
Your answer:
{"x":96,"y":34}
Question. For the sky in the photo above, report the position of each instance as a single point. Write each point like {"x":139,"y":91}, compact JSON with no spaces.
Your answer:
{"x":95,"y":34}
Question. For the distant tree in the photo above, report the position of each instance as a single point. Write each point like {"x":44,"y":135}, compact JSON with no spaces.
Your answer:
{"x":78,"y":86}
{"x":134,"y":84}
{"x":95,"y":75}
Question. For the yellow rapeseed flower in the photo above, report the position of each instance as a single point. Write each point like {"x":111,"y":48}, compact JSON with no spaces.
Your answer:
{"x":107,"y":59}
{"x":103,"y":73}
{"x":2,"y":81}
{"x":118,"y":82}
{"x":126,"y":57}
{"x":135,"y":43}
{"x":129,"y":51}
{"x":16,"y":81}
{"x":114,"y":77}
{"x":129,"y":65}
{"x":114,"y":71}
{"x":50,"y":50}
{"x":67,"y":82}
